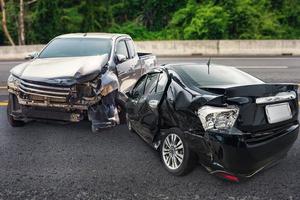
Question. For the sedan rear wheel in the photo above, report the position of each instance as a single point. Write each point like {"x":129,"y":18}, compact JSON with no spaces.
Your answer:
{"x":175,"y":153}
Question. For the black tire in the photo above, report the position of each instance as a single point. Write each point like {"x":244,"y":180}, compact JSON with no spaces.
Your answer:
{"x":188,"y":158}
{"x":121,"y":111}
{"x":10,"y":118}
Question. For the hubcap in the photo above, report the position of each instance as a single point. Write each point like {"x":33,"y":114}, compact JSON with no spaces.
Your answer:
{"x":173,"y":151}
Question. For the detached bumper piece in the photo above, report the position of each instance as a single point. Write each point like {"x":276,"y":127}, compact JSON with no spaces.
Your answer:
{"x":104,"y":115}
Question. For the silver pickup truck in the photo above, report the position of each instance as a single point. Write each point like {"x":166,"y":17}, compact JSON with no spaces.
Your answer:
{"x":76,"y":76}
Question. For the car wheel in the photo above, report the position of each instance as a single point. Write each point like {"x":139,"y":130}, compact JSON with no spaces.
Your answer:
{"x":121,"y":111}
{"x":10,"y":118}
{"x":175,"y":153}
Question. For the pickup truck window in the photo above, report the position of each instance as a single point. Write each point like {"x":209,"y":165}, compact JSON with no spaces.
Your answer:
{"x":75,"y":47}
{"x":131,"y":48}
{"x":151,"y":83}
{"x":122,"y":49}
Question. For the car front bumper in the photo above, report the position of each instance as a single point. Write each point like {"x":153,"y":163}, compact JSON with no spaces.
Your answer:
{"x":23,"y":109}
{"x":243,"y":155}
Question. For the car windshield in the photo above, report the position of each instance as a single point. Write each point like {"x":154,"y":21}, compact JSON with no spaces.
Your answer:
{"x":76,"y":47}
{"x":200,"y":75}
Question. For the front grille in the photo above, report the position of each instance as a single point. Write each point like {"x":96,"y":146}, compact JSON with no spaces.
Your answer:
{"x":40,"y":93}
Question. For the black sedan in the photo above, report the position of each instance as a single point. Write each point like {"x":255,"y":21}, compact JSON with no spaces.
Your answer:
{"x":229,"y":121}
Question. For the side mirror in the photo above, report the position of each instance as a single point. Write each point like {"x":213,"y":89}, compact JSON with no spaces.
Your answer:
{"x":121,"y":58}
{"x":32,"y":55}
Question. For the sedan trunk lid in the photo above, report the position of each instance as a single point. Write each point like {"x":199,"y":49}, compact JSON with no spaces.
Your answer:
{"x":253,"y":101}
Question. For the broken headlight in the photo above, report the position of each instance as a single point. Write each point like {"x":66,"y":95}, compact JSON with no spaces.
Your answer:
{"x":89,"y":89}
{"x":219,"y":118}
{"x":13,"y":81}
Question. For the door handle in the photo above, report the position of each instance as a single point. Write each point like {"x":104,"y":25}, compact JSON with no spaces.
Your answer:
{"x":153,"y":104}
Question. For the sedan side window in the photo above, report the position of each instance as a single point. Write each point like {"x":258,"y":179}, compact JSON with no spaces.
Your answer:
{"x":122,"y":49}
{"x":138,"y":89}
{"x":162,"y":82}
{"x":151,"y":83}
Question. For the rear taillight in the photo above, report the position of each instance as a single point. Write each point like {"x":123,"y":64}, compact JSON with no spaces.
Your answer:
{"x":219,"y":118}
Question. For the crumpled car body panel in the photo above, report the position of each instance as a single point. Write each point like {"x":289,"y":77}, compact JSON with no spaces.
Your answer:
{"x":63,"y":71}
{"x":246,"y":148}
{"x":85,"y":82}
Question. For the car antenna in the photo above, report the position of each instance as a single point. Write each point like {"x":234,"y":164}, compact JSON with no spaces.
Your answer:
{"x":208,"y":64}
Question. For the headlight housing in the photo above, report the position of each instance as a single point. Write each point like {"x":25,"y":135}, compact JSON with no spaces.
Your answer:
{"x":218,"y":118}
{"x":13,"y":81}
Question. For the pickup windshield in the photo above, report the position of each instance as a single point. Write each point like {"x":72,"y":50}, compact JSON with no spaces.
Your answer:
{"x":76,"y":47}
{"x":200,"y":75}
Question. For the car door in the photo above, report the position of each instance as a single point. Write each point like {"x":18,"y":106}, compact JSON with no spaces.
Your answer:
{"x":125,"y":68}
{"x":132,"y":104}
{"x":137,"y":67}
{"x":148,"y":105}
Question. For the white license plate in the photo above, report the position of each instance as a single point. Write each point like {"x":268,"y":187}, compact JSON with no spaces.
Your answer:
{"x":278,"y":112}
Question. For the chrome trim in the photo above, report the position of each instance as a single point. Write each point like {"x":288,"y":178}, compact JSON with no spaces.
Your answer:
{"x":52,"y":105}
{"x":58,"y":97}
{"x":81,"y":106}
{"x":43,"y":91}
{"x":45,"y":87}
{"x":282,"y":96}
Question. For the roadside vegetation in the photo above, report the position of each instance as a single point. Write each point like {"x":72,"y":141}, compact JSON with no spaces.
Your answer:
{"x":37,"y":21}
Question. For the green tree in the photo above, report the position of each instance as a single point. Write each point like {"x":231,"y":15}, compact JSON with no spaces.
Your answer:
{"x":156,"y":19}
{"x":46,"y":20}
{"x":96,"y":16}
{"x":200,"y":21}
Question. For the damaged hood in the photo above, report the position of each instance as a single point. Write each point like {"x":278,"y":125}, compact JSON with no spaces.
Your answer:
{"x":51,"y":69}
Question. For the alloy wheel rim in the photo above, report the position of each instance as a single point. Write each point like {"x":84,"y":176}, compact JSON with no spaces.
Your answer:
{"x":173,"y":151}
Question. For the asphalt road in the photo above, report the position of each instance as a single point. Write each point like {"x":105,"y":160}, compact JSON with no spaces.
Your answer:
{"x":68,"y":161}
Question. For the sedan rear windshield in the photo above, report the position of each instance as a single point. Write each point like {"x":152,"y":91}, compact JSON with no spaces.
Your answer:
{"x":76,"y":47}
{"x":202,"y":75}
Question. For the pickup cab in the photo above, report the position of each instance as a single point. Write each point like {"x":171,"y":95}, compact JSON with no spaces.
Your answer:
{"x":73,"y":75}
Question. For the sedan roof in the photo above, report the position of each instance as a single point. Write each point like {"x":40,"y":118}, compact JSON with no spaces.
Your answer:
{"x":194,"y":74}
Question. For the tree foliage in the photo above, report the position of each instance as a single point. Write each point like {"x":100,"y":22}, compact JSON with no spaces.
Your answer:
{"x":156,"y":19}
